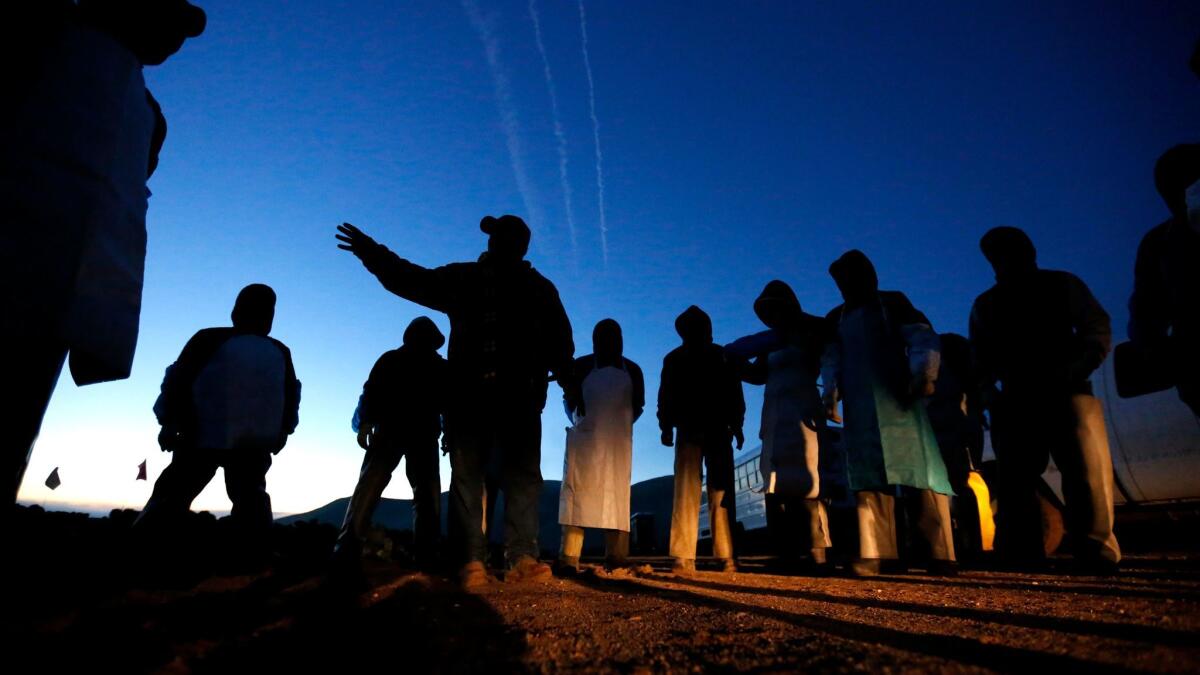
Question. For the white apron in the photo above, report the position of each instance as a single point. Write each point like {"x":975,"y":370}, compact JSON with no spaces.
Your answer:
{"x":598,"y":464}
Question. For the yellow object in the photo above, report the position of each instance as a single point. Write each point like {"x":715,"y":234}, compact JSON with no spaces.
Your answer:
{"x":983,"y":500}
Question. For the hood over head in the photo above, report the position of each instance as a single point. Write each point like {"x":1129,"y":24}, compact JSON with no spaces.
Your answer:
{"x":855,"y":277}
{"x":1176,"y":170}
{"x":694,"y":326}
{"x":1010,"y":251}
{"x":777,"y":305}
{"x":607,"y":342}
{"x":423,"y":334}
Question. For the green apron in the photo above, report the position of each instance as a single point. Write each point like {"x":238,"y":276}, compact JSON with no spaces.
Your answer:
{"x":886,"y":443}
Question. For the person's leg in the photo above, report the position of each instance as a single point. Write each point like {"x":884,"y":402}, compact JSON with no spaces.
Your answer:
{"x":685,"y":503}
{"x":722,"y":506}
{"x":184,"y":478}
{"x":468,"y":466}
{"x":818,"y":528}
{"x":246,"y":484}
{"x":876,"y":526}
{"x":521,"y":482}
{"x":933,"y":523}
{"x":377,"y":467}
{"x":1085,"y":462}
{"x":32,"y":373}
{"x":616,"y":548}
{"x":572,"y":545}
{"x":421,"y":467}
{"x":1019,"y":437}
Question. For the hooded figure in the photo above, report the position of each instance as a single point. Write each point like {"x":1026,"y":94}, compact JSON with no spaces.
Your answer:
{"x":508,"y":334}
{"x":881,"y":360}
{"x":1040,"y":334}
{"x":229,"y":401}
{"x":606,"y":396}
{"x":78,"y":135}
{"x":400,"y":416}
{"x":1164,"y":311}
{"x":787,"y":359}
{"x":700,"y":410}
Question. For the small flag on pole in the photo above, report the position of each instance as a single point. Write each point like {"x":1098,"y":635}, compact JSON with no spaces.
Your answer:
{"x":52,"y":481}
{"x":141,"y":471}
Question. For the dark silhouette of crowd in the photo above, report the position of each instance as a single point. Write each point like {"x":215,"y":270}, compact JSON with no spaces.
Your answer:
{"x":82,"y":135}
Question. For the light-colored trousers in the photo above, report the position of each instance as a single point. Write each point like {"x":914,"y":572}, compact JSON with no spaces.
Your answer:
{"x":685,"y":509}
{"x":877,"y":525}
{"x":616,"y":544}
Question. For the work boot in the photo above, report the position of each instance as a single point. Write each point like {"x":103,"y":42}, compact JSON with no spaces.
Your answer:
{"x":567,"y":566}
{"x":474,"y":575}
{"x":682,"y":567}
{"x":729,"y":566}
{"x":1094,"y":566}
{"x":942,"y":568}
{"x":528,"y":568}
{"x":866,"y":567}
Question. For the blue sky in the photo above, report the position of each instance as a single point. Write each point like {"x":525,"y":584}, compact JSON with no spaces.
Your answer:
{"x":740,"y":142}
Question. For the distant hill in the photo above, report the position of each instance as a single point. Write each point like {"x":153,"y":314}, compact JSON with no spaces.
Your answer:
{"x":649,"y":497}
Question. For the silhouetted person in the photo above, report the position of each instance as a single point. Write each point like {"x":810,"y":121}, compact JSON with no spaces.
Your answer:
{"x":954,"y":411}
{"x":400,"y":415}
{"x":881,"y":361}
{"x":1195,"y":62}
{"x":605,"y":397}
{"x":700,"y":410}
{"x":787,"y":360}
{"x":79,"y":135}
{"x":1164,"y":311}
{"x":508,"y":332}
{"x":229,"y":401}
{"x":1041,"y":334}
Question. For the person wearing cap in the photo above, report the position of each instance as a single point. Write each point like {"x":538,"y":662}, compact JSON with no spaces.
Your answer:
{"x":787,"y":361}
{"x":229,"y":401}
{"x":1040,"y":334}
{"x":701,"y":409}
{"x":400,"y":416}
{"x":880,"y":363}
{"x":605,"y":396}
{"x":79,"y":136}
{"x":509,"y":334}
{"x":1164,"y":310}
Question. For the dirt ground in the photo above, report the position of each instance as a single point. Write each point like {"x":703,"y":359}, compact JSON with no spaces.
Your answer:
{"x":89,"y":601}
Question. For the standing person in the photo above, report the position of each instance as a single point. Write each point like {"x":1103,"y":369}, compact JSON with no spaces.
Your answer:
{"x":606,"y":396}
{"x":400,"y":416}
{"x":1164,"y":311}
{"x":229,"y":401}
{"x":79,"y":136}
{"x":787,"y":360}
{"x":508,"y":333}
{"x":1040,"y":334}
{"x":881,"y":361}
{"x":700,"y":410}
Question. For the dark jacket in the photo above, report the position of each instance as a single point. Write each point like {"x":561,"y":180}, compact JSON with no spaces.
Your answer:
{"x":1042,"y":335}
{"x":406,"y":393}
{"x":508,"y":328}
{"x":176,"y":407}
{"x":700,"y":393}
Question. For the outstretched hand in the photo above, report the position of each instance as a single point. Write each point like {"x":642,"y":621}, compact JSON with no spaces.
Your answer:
{"x":355,"y":240}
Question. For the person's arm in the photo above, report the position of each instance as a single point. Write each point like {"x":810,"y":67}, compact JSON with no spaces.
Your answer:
{"x":291,"y":399}
{"x":1149,"y":313}
{"x":736,"y":402}
{"x":831,"y":367}
{"x":639,"y":388}
{"x":666,"y":401}
{"x":924,"y":347}
{"x":561,"y":339}
{"x":432,"y":288}
{"x":573,"y":387}
{"x":1093,"y":329}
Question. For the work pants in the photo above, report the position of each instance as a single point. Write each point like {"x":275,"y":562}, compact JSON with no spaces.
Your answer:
{"x":513,"y":443}
{"x":798,"y":526}
{"x":189,"y":473}
{"x":685,"y":509}
{"x":616,"y":545}
{"x":877,"y":524}
{"x":1026,"y":432}
{"x":421,"y":468}
{"x":34,"y":365}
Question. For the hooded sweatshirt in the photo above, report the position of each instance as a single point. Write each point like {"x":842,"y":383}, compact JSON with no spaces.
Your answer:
{"x":700,"y":393}
{"x":406,"y":391}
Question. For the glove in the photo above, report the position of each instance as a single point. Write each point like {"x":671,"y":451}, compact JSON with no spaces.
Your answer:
{"x":739,"y":437}
{"x":668,"y":438}
{"x":831,"y":409}
{"x":364,"y":438}
{"x":169,"y":439}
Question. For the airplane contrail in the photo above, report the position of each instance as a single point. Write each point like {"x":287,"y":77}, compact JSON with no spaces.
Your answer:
{"x":559,"y":135}
{"x":587,"y":65}
{"x":507,"y":109}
